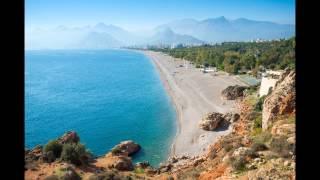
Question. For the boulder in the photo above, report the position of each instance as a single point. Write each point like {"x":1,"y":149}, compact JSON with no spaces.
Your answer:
{"x":231,"y":117}
{"x":34,"y":154}
{"x":123,"y":163}
{"x":127,"y":148}
{"x":281,"y":101}
{"x":241,"y":151}
{"x":69,"y":137}
{"x":233,"y":92}
{"x":211,"y":121}
{"x":165,"y":167}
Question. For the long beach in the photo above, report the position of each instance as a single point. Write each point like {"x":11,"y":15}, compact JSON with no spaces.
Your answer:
{"x":194,"y":94}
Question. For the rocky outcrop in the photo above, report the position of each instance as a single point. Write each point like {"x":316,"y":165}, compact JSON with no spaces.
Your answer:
{"x":274,"y":169}
{"x":69,"y":137}
{"x":123,"y":163}
{"x":127,"y":147}
{"x":233,"y":92}
{"x":283,"y":130}
{"x":231,"y":117}
{"x":281,"y":101}
{"x":211,"y":121}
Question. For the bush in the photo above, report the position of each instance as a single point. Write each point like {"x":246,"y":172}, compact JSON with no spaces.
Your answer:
{"x":75,"y":153}
{"x":281,"y":146}
{"x":238,"y":164}
{"x":259,"y":104}
{"x":257,"y":122}
{"x":258,"y":147}
{"x":53,"y":146}
{"x":263,"y":137}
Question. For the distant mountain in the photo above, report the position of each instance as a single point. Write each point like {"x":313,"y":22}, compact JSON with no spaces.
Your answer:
{"x":167,"y":36}
{"x":97,"y":40}
{"x":117,"y":32}
{"x":221,"y":29}
{"x":185,"y":31}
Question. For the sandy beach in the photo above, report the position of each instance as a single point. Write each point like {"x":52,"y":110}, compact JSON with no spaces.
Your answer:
{"x":194,"y":94}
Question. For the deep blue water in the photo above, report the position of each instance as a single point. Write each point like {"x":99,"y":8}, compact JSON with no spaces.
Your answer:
{"x":107,"y":96}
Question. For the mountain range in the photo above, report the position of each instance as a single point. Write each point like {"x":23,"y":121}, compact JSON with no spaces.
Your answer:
{"x":185,"y":31}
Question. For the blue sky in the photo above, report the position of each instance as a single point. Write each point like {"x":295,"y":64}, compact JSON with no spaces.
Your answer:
{"x":146,"y":14}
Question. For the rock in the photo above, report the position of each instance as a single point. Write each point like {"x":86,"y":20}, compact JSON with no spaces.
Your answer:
{"x":127,"y":147}
{"x":287,"y":163}
{"x":69,"y":137}
{"x":283,"y":129}
{"x":173,"y":160}
{"x":34,"y":154}
{"x":37,"y":149}
{"x":48,"y":157}
{"x":241,"y":151}
{"x":68,"y":173}
{"x":123,"y":164}
{"x":150,"y":171}
{"x":231,"y":117}
{"x":165,"y":167}
{"x":184,"y":157}
{"x":226,"y":158}
{"x":281,"y":101}
{"x":198,"y":161}
{"x":271,"y":170}
{"x":293,"y":165}
{"x":211,"y":121}
{"x":143,"y":164}
{"x":233,"y":92}
{"x":291,"y":140}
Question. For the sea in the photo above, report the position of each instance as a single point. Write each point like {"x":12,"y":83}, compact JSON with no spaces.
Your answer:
{"x":106,"y":96}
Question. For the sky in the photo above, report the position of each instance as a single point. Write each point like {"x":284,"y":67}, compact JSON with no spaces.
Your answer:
{"x":146,"y":14}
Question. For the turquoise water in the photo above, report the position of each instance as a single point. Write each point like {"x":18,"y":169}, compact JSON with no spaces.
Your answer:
{"x":107,"y":96}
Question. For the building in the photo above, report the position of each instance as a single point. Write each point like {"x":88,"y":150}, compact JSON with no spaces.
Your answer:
{"x":268,"y":81}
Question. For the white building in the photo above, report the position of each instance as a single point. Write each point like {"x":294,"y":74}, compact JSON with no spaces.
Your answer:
{"x":269,"y":80}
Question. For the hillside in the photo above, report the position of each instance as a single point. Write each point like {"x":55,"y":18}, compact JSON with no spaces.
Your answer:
{"x":221,"y":29}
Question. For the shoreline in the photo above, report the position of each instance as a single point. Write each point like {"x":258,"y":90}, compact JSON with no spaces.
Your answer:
{"x":190,"y":92}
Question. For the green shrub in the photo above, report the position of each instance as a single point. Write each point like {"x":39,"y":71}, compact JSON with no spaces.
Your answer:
{"x":75,"y":153}
{"x":263,"y":137}
{"x":258,"y":147}
{"x":138,"y":170}
{"x":259,"y":104}
{"x":281,"y":146}
{"x":257,"y":122}
{"x":53,"y":146}
{"x":238,"y":163}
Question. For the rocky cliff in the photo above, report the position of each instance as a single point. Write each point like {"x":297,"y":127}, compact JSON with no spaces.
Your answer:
{"x":281,"y":101}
